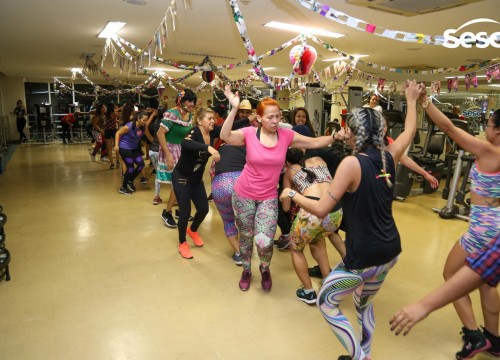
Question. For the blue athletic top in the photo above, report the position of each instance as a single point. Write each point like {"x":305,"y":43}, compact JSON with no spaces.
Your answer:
{"x":483,"y":183}
{"x":132,"y":139}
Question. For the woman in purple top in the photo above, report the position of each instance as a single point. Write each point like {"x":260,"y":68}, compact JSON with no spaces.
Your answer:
{"x":128,"y":143}
{"x":255,"y":197}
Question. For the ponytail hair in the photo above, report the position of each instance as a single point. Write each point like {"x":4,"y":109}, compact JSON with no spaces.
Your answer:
{"x":296,"y":156}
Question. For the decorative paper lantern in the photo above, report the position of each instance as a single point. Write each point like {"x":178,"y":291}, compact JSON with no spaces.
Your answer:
{"x":161,"y":89}
{"x":208,"y":76}
{"x":303,"y":58}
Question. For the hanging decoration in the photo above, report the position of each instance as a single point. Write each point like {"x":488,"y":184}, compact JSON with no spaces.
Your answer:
{"x":240,"y":24}
{"x":436,"y":87}
{"x":303,"y":58}
{"x":358,"y":24}
{"x":393,"y":87}
{"x":380,"y":85}
{"x":161,"y":89}
{"x":208,"y":76}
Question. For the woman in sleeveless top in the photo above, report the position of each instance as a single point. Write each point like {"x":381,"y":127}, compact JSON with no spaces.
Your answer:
{"x":484,"y":226}
{"x":364,"y":184}
{"x":311,"y":178}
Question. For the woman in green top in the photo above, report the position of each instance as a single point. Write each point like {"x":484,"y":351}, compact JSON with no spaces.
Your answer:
{"x":174,"y":126}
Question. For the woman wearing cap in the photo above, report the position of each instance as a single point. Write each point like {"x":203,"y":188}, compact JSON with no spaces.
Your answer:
{"x":255,"y":197}
{"x":174,"y":127}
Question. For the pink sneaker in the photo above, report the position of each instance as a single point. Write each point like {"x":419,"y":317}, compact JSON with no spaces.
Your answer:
{"x":267,"y":282}
{"x":246,"y":278}
{"x":157,"y":200}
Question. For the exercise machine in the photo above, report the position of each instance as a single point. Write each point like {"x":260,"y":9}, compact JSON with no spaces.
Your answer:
{"x":456,"y":205}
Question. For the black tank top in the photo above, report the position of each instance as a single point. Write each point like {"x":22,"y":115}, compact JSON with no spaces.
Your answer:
{"x":372,"y":238}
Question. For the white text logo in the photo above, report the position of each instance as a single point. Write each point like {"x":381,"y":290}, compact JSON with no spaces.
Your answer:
{"x":468,"y":39}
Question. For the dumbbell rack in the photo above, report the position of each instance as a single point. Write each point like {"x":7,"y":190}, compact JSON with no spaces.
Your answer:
{"x":4,"y":253}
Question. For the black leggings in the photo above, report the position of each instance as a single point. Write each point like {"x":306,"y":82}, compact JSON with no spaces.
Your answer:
{"x":21,"y":123}
{"x":131,"y":158}
{"x":187,"y":189}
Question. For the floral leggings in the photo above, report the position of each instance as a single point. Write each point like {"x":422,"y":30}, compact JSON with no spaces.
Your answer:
{"x":255,"y":219}
{"x":364,"y":284}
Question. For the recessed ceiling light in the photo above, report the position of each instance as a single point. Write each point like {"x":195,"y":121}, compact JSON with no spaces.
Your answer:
{"x":112,"y":27}
{"x":135,"y":2}
{"x":302,"y":29}
{"x":343,"y":58}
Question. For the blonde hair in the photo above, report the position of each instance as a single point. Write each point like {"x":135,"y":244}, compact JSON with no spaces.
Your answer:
{"x":200,"y":114}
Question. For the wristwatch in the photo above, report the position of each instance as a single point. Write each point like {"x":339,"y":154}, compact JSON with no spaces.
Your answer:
{"x":426,"y":104}
{"x":292,"y":193}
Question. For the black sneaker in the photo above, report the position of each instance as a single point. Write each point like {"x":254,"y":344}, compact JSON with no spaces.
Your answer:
{"x":344,"y":357}
{"x":315,"y":272}
{"x":308,"y":298}
{"x":210,"y":198}
{"x":283,"y":243}
{"x":125,"y":191}
{"x":177,"y":215}
{"x":130,"y":186}
{"x":280,"y":239}
{"x":237,"y":259}
{"x":474,"y":342}
{"x":144,"y":180}
{"x":495,"y":343}
{"x":153,"y":172}
{"x":167,"y":218}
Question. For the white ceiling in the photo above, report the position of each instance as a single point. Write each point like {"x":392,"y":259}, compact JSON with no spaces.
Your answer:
{"x":40,"y":40}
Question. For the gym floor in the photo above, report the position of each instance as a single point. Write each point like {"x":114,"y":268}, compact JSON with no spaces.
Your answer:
{"x":96,"y":275}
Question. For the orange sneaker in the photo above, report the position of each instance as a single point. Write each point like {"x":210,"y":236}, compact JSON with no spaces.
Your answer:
{"x":184,"y":250}
{"x":195,"y":237}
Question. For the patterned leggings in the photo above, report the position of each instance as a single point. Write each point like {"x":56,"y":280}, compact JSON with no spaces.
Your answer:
{"x":484,"y":226}
{"x":134,"y":162}
{"x":364,"y":284}
{"x":256,"y":219}
{"x":222,"y":193}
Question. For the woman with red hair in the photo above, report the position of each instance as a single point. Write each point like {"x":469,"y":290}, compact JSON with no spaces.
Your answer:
{"x":255,"y":196}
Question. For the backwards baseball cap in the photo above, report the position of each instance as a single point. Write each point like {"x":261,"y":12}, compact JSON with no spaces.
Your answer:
{"x":245,"y":105}
{"x":302,"y":130}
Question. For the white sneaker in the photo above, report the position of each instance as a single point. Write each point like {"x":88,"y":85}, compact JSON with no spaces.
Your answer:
{"x":104,"y":159}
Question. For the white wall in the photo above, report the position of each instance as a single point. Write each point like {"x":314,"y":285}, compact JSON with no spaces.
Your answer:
{"x":11,"y":90}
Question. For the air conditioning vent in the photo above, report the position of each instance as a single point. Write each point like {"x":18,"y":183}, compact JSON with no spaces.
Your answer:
{"x":410,"y":7}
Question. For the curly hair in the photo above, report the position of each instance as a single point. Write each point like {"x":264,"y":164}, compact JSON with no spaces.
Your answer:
{"x":368,"y":127}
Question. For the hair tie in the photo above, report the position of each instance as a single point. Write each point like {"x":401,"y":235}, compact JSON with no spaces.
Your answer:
{"x":383,"y":174}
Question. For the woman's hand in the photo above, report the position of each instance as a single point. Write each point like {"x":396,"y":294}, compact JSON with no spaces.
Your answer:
{"x":413,"y":91}
{"x":214,"y":153}
{"x":431,"y":180}
{"x":170,"y":161}
{"x":116,"y":148}
{"x":284,"y":194}
{"x":234,"y":98}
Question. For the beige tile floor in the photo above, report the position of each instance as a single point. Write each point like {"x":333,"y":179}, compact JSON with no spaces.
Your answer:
{"x":96,"y":275}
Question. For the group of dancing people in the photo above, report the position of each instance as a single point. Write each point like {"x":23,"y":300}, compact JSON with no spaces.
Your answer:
{"x":246,"y":166}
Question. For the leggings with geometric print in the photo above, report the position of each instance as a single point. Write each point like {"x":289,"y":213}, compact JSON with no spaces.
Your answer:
{"x":255,"y":219}
{"x":364,"y":284}
{"x":134,"y":162}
